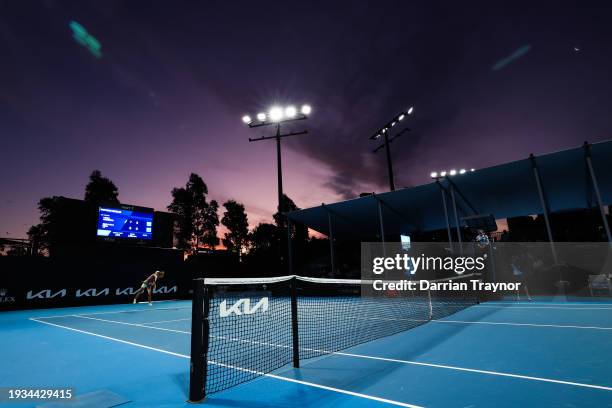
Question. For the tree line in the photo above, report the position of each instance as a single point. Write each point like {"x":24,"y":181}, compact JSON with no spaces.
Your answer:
{"x":196,"y":223}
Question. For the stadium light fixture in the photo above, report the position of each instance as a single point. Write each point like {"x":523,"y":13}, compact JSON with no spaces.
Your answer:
{"x":276,"y":113}
{"x":384,"y":132}
{"x":290,"y":112}
{"x":444,"y":173}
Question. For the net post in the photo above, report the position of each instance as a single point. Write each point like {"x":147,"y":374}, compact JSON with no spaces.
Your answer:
{"x":294,"y":323}
{"x":199,"y":342}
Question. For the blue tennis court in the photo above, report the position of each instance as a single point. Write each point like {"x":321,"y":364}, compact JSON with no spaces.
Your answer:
{"x":543,"y":353}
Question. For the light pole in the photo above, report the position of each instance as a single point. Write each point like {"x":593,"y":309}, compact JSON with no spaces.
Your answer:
{"x":384,"y":132}
{"x":276,"y":116}
{"x":447,"y":175}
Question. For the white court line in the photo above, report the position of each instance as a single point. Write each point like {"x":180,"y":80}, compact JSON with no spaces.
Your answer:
{"x":277,"y":377}
{"x":167,"y":321}
{"x":483,"y":322}
{"x":356,"y":394}
{"x":537,"y":303}
{"x":543,"y":307}
{"x":132,"y":324}
{"x":472,"y":370}
{"x":188,"y":332}
{"x":501,"y":374}
{"x":114,"y":312}
{"x":525,"y":324}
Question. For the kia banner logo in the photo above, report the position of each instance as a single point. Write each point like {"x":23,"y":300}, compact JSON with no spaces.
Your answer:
{"x":92,"y":292}
{"x":165,"y":290}
{"x":125,"y":292}
{"x":46,"y":294}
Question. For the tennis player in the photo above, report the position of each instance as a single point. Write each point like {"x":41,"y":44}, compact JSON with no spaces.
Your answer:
{"x":482,"y":239}
{"x":149,"y":285}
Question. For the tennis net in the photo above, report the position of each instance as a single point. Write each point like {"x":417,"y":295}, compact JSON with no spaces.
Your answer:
{"x":245,"y":328}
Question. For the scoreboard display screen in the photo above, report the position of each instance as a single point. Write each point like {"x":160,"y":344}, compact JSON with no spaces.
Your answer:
{"x":124,"y":223}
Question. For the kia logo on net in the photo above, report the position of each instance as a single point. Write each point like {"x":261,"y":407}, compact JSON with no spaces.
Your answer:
{"x":243,"y":307}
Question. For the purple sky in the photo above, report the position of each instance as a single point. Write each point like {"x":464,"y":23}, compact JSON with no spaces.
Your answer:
{"x":175,"y":78}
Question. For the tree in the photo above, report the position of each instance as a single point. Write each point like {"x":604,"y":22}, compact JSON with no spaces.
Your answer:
{"x":36,"y":236}
{"x":263,"y":239}
{"x":264,"y":250}
{"x":299,"y":233}
{"x":47,"y":232}
{"x":210,"y":224}
{"x":198,"y":218}
{"x":100,"y":190}
{"x":235,"y":220}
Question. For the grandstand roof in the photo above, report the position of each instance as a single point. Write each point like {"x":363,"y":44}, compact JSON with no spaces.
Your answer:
{"x":506,"y":190}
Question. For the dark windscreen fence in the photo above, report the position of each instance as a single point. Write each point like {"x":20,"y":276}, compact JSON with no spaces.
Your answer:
{"x":560,"y":271}
{"x":245,"y":328}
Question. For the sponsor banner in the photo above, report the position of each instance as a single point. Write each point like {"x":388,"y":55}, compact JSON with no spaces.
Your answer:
{"x":93,"y":292}
{"x":35,"y":297}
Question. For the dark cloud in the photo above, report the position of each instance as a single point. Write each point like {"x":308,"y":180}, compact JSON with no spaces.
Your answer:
{"x":176,"y":78}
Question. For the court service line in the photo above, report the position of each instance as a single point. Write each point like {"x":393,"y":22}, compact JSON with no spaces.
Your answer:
{"x":133,"y":324}
{"x":146,"y":324}
{"x":543,"y":307}
{"x":399,"y":319}
{"x":113,"y":312}
{"x":561,"y":326}
{"x":277,"y":377}
{"x":108,"y":338}
{"x":167,"y":321}
{"x":188,"y":332}
{"x":538,"y":303}
{"x":339,"y":353}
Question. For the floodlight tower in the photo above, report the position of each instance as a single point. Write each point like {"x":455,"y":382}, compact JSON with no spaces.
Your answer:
{"x":276,"y":116}
{"x":384,"y":132}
